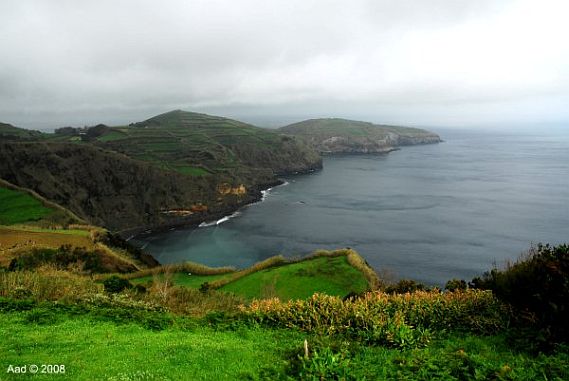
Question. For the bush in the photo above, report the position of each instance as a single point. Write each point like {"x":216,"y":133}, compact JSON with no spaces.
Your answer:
{"x":324,"y":364}
{"x":116,"y":284}
{"x":537,"y":286}
{"x":63,"y":257}
{"x":395,"y":320}
{"x":405,"y":285}
{"x":456,"y":285}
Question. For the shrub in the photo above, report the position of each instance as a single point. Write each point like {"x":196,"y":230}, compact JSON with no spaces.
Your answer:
{"x":395,"y":320}
{"x":115,"y":284}
{"x":405,"y":285}
{"x":46,"y":283}
{"x":537,"y":286}
{"x":456,"y":285}
{"x":324,"y":364}
{"x":205,"y":287}
{"x":63,"y":258}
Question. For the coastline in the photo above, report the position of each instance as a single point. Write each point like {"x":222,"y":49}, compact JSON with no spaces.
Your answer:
{"x":257,"y":194}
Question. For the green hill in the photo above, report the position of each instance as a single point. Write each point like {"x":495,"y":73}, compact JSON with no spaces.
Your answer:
{"x":9,"y":132}
{"x":338,"y":273}
{"x":173,"y":169}
{"x":199,"y":144}
{"x":333,"y":135}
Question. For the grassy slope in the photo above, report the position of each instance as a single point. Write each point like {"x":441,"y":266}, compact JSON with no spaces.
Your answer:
{"x":103,"y":350}
{"x":333,"y":135}
{"x":28,"y":222}
{"x":19,"y":207}
{"x":7,"y":131}
{"x":199,"y":144}
{"x":327,"y":127}
{"x":329,"y":275}
{"x":332,"y":275}
{"x":21,"y":219}
{"x":92,"y":349}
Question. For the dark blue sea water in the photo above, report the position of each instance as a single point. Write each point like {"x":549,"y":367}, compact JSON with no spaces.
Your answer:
{"x":430,"y":212}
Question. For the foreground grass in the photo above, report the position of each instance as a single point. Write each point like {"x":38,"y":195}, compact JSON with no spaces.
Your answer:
{"x":92,"y":348}
{"x":98,"y":350}
{"x":327,"y":275}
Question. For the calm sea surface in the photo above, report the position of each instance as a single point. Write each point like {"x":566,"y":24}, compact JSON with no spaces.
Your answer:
{"x":430,"y":212}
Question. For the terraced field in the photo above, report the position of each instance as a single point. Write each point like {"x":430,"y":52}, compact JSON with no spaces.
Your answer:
{"x":199,"y":145}
{"x":14,"y":240}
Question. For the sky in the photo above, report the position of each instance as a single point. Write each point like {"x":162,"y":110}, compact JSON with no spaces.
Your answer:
{"x":448,"y":63}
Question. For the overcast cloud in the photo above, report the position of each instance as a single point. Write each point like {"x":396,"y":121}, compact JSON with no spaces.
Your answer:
{"x":429,"y":62}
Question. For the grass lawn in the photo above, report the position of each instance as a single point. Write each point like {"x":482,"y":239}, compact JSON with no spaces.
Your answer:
{"x":329,"y":275}
{"x":18,"y":207}
{"x":96,"y":350}
{"x":113,"y":135}
{"x":192,"y":171}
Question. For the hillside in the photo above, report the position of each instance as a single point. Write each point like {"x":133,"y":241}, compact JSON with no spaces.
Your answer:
{"x":9,"y":132}
{"x":339,"y":273}
{"x":333,"y":135}
{"x":174,"y":169}
{"x":200,"y":145}
{"x":35,"y":232}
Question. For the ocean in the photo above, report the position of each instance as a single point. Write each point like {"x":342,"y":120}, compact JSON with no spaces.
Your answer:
{"x":429,"y":213}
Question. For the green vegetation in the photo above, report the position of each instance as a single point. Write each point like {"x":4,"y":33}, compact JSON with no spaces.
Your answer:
{"x":329,"y":275}
{"x":537,"y":285}
{"x":92,"y":349}
{"x":175,"y":168}
{"x":333,"y":135}
{"x":17,"y":207}
{"x":95,"y":346}
{"x":455,"y":357}
{"x":182,"y":279}
{"x":339,"y":273}
{"x":192,"y":171}
{"x":9,"y":132}
{"x":186,"y":142}
{"x":394,"y":320}
{"x":113,"y":135}
{"x":35,"y":229}
{"x":103,"y":328}
{"x":78,"y":258}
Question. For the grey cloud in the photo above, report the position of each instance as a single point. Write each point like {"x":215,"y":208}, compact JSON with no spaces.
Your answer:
{"x":432,"y":62}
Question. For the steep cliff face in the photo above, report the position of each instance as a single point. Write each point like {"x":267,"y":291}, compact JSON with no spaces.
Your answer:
{"x":332,"y":136}
{"x":105,"y":188}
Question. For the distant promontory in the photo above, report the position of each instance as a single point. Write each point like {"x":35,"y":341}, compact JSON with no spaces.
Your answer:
{"x":334,"y":136}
